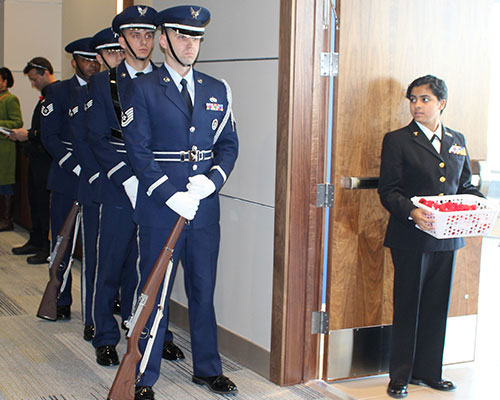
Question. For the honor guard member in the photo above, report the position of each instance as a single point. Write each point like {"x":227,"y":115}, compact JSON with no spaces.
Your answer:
{"x":41,"y":74}
{"x":56,"y":137}
{"x":181,"y":141}
{"x":117,"y":261}
{"x":90,"y":176}
{"x":415,"y":163}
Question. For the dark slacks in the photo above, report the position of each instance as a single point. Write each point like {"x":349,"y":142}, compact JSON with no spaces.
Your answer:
{"x":422,"y":286}
{"x":39,"y":199}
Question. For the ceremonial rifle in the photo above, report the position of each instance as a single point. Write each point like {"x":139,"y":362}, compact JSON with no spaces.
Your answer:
{"x":125,"y":379}
{"x":48,"y":305}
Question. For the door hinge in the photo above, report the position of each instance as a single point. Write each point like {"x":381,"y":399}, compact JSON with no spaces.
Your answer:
{"x":329,"y":65}
{"x":320,"y":321}
{"x":324,"y":195}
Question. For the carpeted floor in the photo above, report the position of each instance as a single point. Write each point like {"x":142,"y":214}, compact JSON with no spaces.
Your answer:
{"x":43,"y":360}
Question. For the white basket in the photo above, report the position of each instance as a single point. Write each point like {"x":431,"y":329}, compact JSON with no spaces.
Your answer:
{"x":460,"y":223}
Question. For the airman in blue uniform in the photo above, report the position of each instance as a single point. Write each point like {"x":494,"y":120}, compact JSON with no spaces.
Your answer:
{"x":56,"y":137}
{"x":117,"y":262}
{"x":181,"y":141}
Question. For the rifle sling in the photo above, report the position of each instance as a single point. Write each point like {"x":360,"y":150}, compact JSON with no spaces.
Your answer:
{"x":115,"y":98}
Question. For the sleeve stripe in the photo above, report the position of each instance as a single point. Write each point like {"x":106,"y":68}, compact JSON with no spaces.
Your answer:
{"x":94,"y":177}
{"x":62,"y":160}
{"x":155,"y":185}
{"x":221,"y":171}
{"x":115,"y":168}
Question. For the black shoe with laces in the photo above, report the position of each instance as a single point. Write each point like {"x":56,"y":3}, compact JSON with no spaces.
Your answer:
{"x":171,"y":352}
{"x":107,"y":355}
{"x":88,"y":332}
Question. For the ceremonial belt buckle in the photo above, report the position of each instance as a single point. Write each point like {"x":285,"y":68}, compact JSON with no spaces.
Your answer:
{"x":192,"y":155}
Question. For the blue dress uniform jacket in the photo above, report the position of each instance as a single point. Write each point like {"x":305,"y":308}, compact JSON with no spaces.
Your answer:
{"x":412,"y":167}
{"x":153,"y":142}
{"x":109,"y":150}
{"x":56,"y":137}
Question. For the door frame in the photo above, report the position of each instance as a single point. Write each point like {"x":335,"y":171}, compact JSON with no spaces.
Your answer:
{"x":300,"y":165}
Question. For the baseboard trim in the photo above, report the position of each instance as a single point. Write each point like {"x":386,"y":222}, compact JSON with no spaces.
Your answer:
{"x":231,"y":345}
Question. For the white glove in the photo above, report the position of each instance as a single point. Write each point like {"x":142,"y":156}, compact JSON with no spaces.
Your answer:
{"x":77,"y":170}
{"x":183,"y":204}
{"x":131,"y":185}
{"x":200,"y":186}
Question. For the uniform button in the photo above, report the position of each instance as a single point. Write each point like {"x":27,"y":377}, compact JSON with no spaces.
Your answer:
{"x":192,"y":129}
{"x":195,"y":167}
{"x":441,"y":165}
{"x":442,"y":179}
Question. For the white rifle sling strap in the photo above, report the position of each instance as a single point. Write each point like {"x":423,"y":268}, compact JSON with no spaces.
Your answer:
{"x":156,"y":322}
{"x":229,"y":111}
{"x":70,"y":261}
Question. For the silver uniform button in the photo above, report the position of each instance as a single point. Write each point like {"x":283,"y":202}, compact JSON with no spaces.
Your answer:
{"x":195,"y":167}
{"x":192,"y":129}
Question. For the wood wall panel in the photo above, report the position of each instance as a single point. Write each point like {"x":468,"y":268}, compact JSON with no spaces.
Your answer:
{"x":383,"y":45}
{"x":300,"y":160}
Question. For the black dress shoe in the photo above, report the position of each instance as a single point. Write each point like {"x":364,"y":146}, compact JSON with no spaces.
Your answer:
{"x":117,"y":308}
{"x":27,"y":248}
{"x":88,"y":332}
{"x":437,"y":384}
{"x":63,"y":312}
{"x":218,"y":384}
{"x":42,"y":257}
{"x":106,"y":355}
{"x":171,"y":352}
{"x":144,"y":393}
{"x":397,"y":389}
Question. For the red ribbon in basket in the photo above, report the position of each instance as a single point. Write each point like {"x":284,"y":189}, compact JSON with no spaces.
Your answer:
{"x":448,"y":206}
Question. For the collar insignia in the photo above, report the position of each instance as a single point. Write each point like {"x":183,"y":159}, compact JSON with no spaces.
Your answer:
{"x":123,"y":75}
{"x":142,"y":11}
{"x":166,"y":79}
{"x":200,"y":80}
{"x":194,"y":13}
{"x":415,"y":133}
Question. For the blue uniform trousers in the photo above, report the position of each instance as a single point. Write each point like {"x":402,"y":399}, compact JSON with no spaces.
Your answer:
{"x":60,"y":205}
{"x":90,"y":227}
{"x":198,"y":250}
{"x":116,"y":270}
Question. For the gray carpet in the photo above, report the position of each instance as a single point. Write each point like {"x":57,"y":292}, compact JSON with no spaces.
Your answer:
{"x":43,"y":360}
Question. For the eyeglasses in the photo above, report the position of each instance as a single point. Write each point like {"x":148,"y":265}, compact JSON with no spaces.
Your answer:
{"x":33,"y":65}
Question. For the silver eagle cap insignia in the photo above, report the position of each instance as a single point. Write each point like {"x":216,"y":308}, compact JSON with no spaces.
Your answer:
{"x":195,"y":13}
{"x":142,"y":11}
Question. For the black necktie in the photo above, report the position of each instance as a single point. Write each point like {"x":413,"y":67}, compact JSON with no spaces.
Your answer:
{"x":435,"y":137}
{"x":186,"y":96}
{"x":137,"y":74}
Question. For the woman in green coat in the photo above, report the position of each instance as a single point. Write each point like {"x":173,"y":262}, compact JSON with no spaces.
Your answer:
{"x":10,"y":117}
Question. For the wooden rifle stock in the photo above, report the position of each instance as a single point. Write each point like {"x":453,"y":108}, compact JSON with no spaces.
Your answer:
{"x":48,"y":305}
{"x":125,"y":379}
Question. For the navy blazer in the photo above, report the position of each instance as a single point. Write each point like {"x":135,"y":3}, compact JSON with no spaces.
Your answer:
{"x":56,"y":137}
{"x":157,"y":123}
{"x":109,"y":150}
{"x":411,"y":166}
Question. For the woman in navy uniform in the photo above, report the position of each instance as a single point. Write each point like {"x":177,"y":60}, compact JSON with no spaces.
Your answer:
{"x":56,"y":138}
{"x":415,"y":163}
{"x":181,"y":141}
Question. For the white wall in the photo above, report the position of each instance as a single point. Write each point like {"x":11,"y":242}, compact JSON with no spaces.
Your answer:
{"x":241,"y":46}
{"x":31,"y":28}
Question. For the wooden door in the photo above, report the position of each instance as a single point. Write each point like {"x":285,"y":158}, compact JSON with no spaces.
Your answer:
{"x":383,"y":45}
